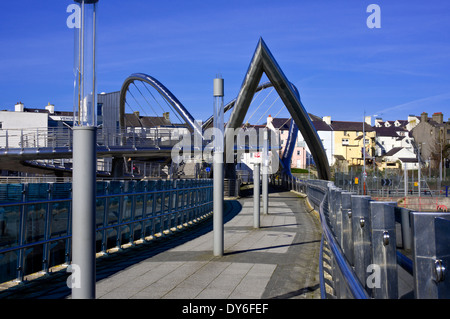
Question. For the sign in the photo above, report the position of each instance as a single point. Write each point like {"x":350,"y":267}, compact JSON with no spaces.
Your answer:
{"x":208,"y":169}
{"x":356,"y":180}
{"x":258,"y":154}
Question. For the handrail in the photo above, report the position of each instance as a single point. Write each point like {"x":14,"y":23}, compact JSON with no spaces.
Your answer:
{"x":352,"y":280}
{"x":170,"y":207}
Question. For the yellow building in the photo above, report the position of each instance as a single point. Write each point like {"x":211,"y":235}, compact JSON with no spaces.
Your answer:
{"x":348,"y":141}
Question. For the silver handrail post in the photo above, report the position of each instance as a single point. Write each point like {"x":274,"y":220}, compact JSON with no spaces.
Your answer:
{"x":384,"y":279}
{"x":361,"y":236}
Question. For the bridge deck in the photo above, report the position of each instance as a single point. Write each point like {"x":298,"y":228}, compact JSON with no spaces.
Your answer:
{"x":279,"y":260}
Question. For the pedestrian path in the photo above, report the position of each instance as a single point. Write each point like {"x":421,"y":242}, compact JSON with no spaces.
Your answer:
{"x":279,"y":260}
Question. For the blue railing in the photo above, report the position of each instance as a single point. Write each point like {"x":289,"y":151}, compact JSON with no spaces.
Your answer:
{"x":35,"y":219}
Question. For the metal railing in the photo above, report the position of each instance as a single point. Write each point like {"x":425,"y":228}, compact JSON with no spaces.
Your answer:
{"x":55,"y":138}
{"x":368,"y":245}
{"x":35,"y":219}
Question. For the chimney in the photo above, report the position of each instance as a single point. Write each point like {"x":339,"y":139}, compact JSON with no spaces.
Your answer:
{"x":424,"y":117}
{"x":19,"y":107}
{"x":50,"y":108}
{"x":327,"y":119}
{"x":368,"y":120}
{"x":167,"y":116}
{"x":269,"y":121}
{"x":438,"y":117}
{"x":136,"y":113}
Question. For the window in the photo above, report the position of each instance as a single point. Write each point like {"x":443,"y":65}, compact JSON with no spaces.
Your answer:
{"x":345,"y":141}
{"x":1,"y":125}
{"x":298,"y":152}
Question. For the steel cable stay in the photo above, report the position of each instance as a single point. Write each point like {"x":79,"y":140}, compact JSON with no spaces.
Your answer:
{"x":151,"y":107}
{"x":266,"y":111}
{"x":168,"y":104}
{"x":248,"y":120}
{"x":132,"y":95}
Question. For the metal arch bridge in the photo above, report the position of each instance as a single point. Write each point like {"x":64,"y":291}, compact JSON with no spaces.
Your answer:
{"x":119,"y":144}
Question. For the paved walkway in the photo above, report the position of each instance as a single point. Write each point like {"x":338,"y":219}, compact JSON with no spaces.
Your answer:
{"x":279,"y":260}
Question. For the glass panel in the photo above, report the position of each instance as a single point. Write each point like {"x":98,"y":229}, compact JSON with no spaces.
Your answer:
{"x":61,"y":191}
{"x":57,"y":253}
{"x":11,"y":193}
{"x":59,"y":219}
{"x":33,"y":259}
{"x":35,"y":222}
{"x":9,"y":226}
{"x":113,"y":210}
{"x":8,"y":265}
{"x":127,"y":207}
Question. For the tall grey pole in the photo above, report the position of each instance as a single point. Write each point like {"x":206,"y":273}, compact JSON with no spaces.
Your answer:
{"x":265,"y":173}
{"x":405,"y":177}
{"x":84,"y":155}
{"x":83,"y":208}
{"x":218,"y":167}
{"x":256,"y":197}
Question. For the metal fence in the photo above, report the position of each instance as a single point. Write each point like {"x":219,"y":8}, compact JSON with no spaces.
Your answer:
{"x":61,"y":138}
{"x":367,"y":245}
{"x":35,"y":219}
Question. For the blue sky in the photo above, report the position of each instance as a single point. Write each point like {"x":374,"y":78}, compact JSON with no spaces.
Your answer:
{"x":340,"y":66}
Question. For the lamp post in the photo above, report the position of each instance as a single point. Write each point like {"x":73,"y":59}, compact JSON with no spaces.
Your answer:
{"x":218,"y":167}
{"x":265,"y":172}
{"x":84,"y":153}
{"x":364,"y":153}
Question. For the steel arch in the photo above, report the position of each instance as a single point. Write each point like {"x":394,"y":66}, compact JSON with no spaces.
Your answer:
{"x":264,"y":62}
{"x":174,"y":102}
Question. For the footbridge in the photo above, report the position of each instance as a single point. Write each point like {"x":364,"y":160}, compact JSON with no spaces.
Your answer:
{"x":154,"y":239}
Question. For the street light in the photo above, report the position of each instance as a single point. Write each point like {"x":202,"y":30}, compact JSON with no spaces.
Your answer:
{"x":218,"y":165}
{"x":84,"y":153}
{"x":364,"y":151}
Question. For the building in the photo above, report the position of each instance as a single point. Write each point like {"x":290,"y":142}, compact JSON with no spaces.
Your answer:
{"x":348,"y":144}
{"x":301,"y":157}
{"x":32,"y":127}
{"x":431,"y":136}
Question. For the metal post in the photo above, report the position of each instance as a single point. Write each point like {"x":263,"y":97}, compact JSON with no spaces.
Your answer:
{"x":361,"y":236}
{"x":347,"y":239}
{"x":431,"y":254}
{"x":84,"y":155}
{"x":83,"y":203}
{"x":218,"y":167}
{"x":384,"y":246}
{"x":256,"y":197}
{"x":405,"y":177}
{"x":265,"y":173}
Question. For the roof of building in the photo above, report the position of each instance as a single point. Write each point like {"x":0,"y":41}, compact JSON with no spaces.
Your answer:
{"x":393,"y":151}
{"x":351,"y":126}
{"x":283,"y":124}
{"x":408,"y":160}
{"x":389,"y":131}
{"x":134,"y":120}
